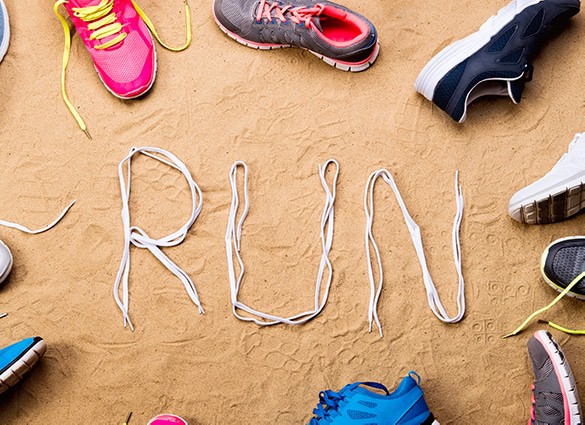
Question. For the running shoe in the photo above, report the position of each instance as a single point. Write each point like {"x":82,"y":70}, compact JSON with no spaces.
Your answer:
{"x":494,"y":60}
{"x":333,"y":33}
{"x":17,"y":360}
{"x":357,"y":405}
{"x":562,"y":262}
{"x":5,"y":262}
{"x":167,"y":420}
{"x":4,"y":30}
{"x":560,"y":194}
{"x":555,"y":400}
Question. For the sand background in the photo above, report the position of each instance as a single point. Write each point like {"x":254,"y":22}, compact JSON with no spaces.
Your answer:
{"x":283,"y":112}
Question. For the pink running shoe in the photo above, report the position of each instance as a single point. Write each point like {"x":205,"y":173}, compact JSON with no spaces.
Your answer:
{"x":167,"y":420}
{"x":119,"y":42}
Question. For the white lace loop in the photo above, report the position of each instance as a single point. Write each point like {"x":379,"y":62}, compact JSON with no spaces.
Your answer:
{"x":138,"y":237}
{"x":432,"y":294}
{"x":42,"y":229}
{"x":233,"y":240}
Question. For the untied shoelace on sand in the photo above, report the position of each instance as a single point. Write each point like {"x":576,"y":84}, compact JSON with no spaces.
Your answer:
{"x":432,"y":294}
{"x":134,"y":235}
{"x":233,"y":240}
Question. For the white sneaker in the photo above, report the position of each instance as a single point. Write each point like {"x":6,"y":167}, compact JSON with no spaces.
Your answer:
{"x":558,"y":195}
{"x":5,"y":262}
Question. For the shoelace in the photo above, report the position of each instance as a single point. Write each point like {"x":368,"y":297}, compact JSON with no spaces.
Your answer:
{"x":432,"y":294}
{"x":548,"y":307}
{"x":138,"y":237}
{"x":104,"y":23}
{"x":329,"y":401}
{"x":42,"y":229}
{"x":233,"y":240}
{"x":297,"y":15}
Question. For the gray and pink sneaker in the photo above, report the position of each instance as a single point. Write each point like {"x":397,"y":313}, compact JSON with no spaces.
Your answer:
{"x":555,"y":400}
{"x":335,"y":34}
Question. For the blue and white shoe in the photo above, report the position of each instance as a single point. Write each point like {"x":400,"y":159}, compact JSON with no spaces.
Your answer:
{"x":494,"y":60}
{"x":4,"y":30}
{"x":356,"y":405}
{"x":5,"y":262}
{"x":17,"y":360}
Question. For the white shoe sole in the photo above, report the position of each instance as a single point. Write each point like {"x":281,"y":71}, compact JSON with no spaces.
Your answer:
{"x":550,"y":204}
{"x":6,"y":38}
{"x":4,"y":276}
{"x":455,"y":53}
{"x":565,"y":376}
{"x":22,"y":366}
{"x":545,"y":277}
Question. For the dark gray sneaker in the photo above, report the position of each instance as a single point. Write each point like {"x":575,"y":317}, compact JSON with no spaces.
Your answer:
{"x":555,"y":400}
{"x":562,"y":262}
{"x":335,"y":34}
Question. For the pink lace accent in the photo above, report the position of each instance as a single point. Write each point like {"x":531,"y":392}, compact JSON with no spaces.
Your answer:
{"x":295,"y":14}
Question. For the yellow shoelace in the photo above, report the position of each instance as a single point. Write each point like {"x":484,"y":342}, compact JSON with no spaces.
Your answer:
{"x":104,"y":23}
{"x":544,"y":309}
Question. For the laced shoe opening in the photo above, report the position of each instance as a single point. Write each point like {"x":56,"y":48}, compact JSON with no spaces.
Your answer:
{"x":341,"y":28}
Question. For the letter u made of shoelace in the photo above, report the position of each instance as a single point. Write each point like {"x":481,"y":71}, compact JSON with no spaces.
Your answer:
{"x":233,"y":241}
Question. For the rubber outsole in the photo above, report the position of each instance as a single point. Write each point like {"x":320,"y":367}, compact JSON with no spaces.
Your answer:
{"x":562,"y":203}
{"x":564,"y":375}
{"x":547,"y":279}
{"x":22,"y":366}
{"x":6,"y":35}
{"x":344,"y":66}
{"x":6,"y":272}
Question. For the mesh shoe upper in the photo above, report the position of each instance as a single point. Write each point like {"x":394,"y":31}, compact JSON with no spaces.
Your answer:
{"x":502,"y":66}
{"x":12,"y":353}
{"x":357,"y":405}
{"x":240,"y":18}
{"x":128,"y":67}
{"x":548,"y":403}
{"x":565,"y":261}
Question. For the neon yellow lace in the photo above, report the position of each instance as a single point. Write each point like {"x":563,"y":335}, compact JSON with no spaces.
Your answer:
{"x":544,"y":309}
{"x":104,"y":23}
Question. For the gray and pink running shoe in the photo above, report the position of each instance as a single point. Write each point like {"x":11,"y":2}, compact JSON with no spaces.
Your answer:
{"x":335,"y":34}
{"x":555,"y":400}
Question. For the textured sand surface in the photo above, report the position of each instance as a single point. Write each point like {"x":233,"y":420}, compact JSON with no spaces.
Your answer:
{"x":283,"y":112}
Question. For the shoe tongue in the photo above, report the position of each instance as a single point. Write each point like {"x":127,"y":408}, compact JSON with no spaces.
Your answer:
{"x":515,"y":89}
{"x":317,"y":22}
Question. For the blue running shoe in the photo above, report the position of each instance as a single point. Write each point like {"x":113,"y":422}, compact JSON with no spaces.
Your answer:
{"x":356,"y":405}
{"x":4,"y":30}
{"x":17,"y":360}
{"x":496,"y":60}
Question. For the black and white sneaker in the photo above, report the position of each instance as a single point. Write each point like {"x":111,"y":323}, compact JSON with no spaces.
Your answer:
{"x":494,"y":60}
{"x":562,"y":262}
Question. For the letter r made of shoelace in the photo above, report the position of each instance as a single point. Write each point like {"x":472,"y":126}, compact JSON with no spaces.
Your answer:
{"x":134,"y":235}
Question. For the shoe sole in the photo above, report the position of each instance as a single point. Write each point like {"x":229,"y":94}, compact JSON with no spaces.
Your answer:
{"x":549,"y":281}
{"x":4,"y":276}
{"x":565,"y":377}
{"x":344,"y":66}
{"x":551,"y":204}
{"x":6,"y":39}
{"x":21,"y":366}
{"x":452,"y":55}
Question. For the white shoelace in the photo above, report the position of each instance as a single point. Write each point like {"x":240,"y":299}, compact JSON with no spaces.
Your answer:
{"x":138,"y":237}
{"x":41,"y":230}
{"x":233,"y":246}
{"x":432,"y":294}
